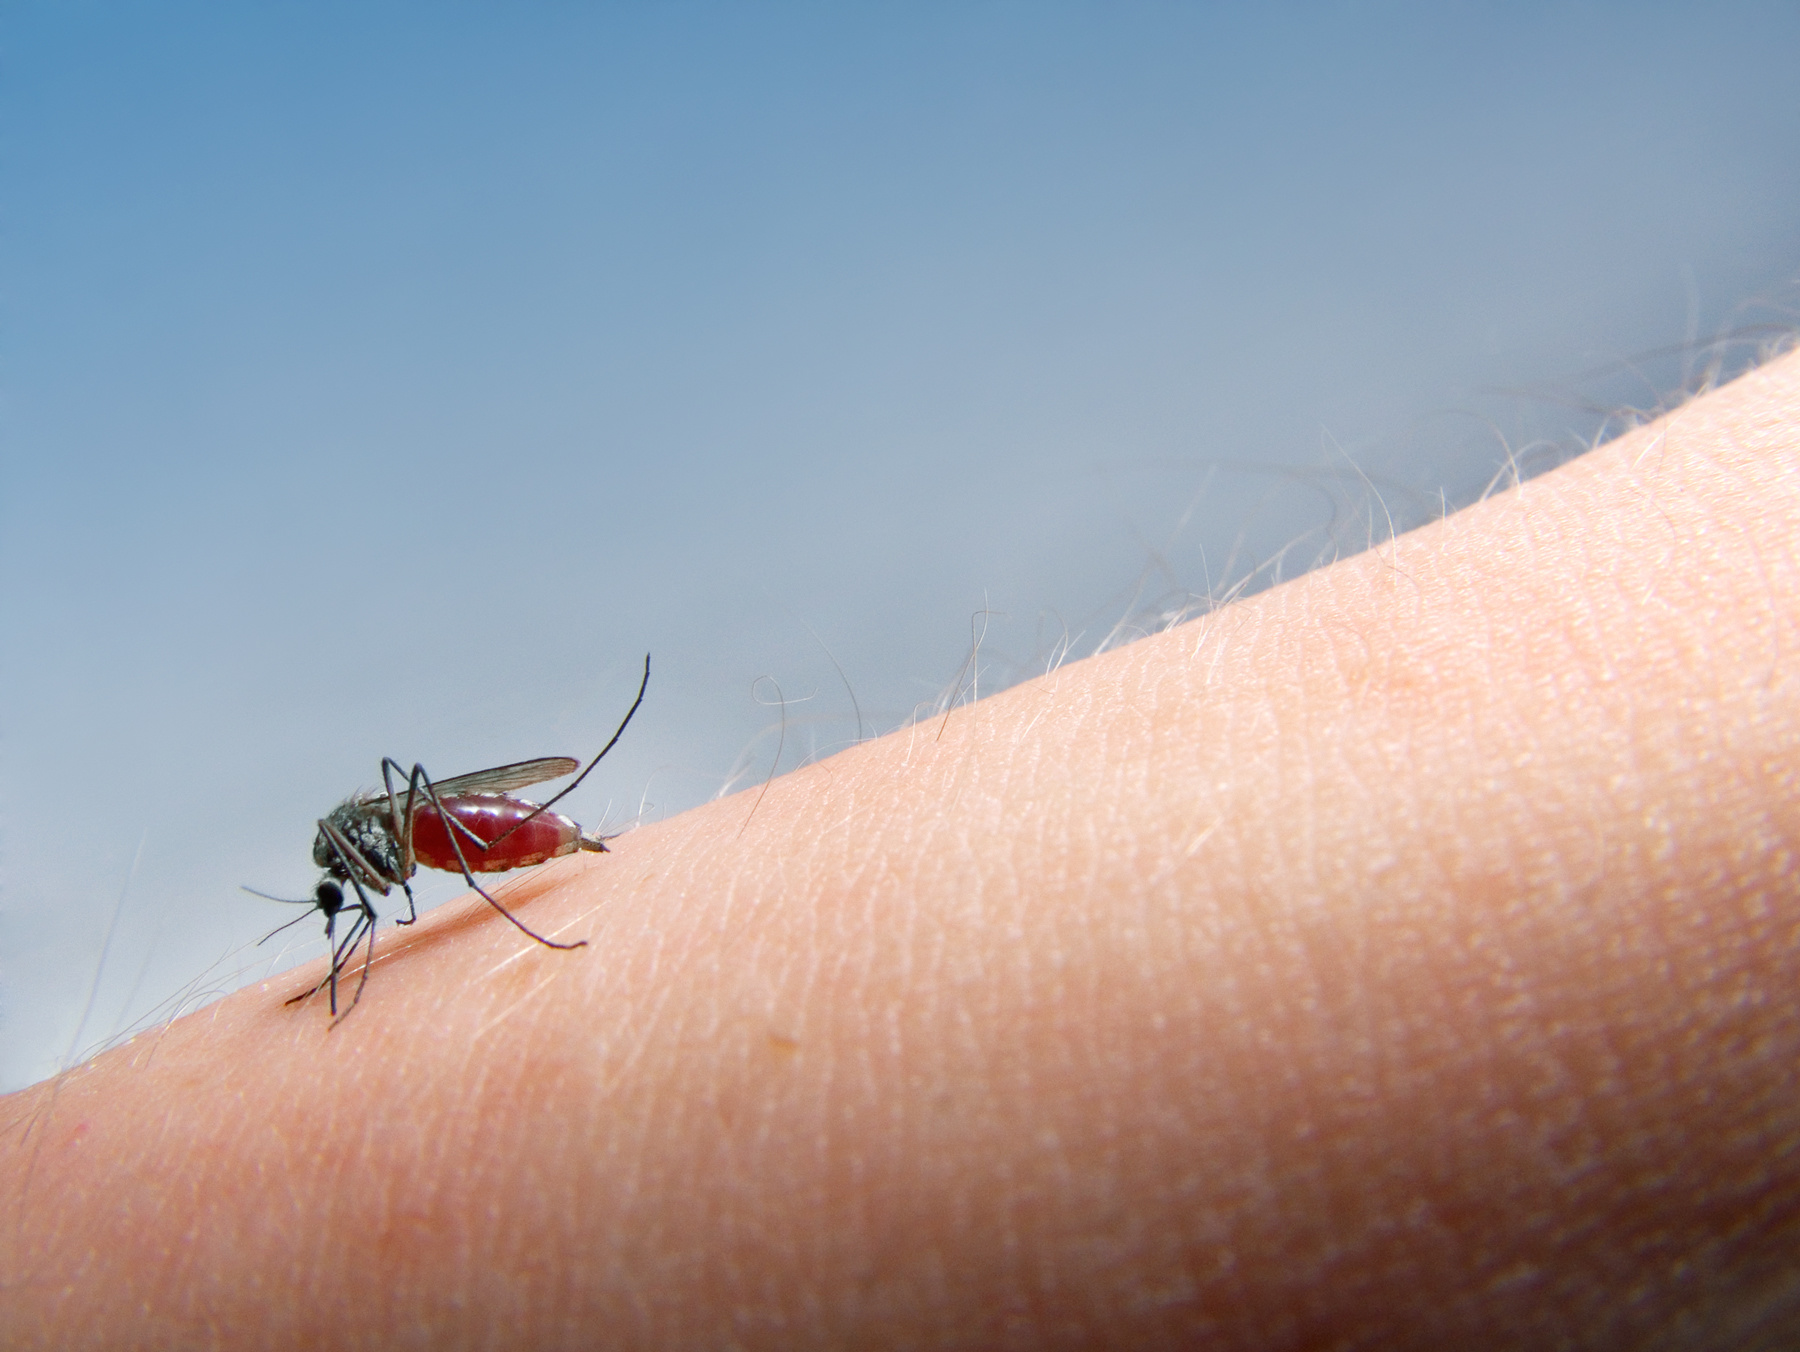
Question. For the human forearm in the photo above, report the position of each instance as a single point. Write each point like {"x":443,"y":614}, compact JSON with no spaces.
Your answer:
{"x":1402,"y":957}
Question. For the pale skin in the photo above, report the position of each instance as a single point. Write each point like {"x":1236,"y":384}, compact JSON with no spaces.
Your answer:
{"x":1408,"y":957}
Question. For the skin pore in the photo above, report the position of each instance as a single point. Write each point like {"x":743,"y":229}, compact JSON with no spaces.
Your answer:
{"x":1407,"y":957}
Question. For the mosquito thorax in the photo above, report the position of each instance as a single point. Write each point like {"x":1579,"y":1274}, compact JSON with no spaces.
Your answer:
{"x":366,"y":823}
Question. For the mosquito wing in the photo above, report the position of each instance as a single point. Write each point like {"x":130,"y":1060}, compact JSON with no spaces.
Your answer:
{"x":504,"y":778}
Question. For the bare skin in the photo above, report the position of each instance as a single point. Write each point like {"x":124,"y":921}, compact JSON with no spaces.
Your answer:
{"x":1408,"y":957}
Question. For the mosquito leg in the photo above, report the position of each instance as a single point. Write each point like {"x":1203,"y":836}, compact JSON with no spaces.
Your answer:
{"x":365,"y":921}
{"x":469,"y":877}
{"x":338,"y":954}
{"x":343,"y":954}
{"x":404,"y":832}
{"x":353,"y":863}
{"x":619,"y":732}
{"x":575,"y":783}
{"x":417,"y":778}
{"x":330,"y":925}
{"x":337,"y":962}
{"x":401,"y":823}
{"x":403,"y":828}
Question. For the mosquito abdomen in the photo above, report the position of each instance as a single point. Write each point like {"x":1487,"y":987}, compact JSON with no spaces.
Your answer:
{"x":487,"y":816}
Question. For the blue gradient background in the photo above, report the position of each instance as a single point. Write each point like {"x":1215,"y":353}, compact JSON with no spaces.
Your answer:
{"x":389,"y":378}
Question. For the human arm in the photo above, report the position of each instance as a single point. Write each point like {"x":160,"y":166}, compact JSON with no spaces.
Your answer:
{"x":1405,"y":957}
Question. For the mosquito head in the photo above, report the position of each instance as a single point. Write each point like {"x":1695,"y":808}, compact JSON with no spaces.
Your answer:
{"x":327,"y":897}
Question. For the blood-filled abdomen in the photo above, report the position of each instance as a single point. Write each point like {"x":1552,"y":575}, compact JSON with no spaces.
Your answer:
{"x":489,"y":816}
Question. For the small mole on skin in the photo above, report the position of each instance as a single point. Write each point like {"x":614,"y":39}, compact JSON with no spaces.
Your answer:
{"x":786,"y":1045}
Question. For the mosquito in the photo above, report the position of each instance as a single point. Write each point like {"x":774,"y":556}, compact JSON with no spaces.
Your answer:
{"x":471,"y":824}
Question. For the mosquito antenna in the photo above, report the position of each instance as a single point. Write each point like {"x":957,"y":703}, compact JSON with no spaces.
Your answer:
{"x":277,"y":930}
{"x":285,"y":901}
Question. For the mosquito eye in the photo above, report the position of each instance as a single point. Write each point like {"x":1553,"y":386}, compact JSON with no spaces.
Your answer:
{"x":330,"y":897}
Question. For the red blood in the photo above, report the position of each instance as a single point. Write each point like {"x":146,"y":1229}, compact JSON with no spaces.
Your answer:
{"x":489,"y":815}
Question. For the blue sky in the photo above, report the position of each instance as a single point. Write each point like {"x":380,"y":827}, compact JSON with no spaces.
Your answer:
{"x":387,"y":379}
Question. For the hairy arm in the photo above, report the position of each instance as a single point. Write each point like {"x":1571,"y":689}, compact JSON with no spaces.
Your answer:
{"x":1406,"y":957}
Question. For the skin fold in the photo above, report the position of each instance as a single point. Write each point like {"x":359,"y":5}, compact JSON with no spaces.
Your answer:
{"x":1406,"y":957}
